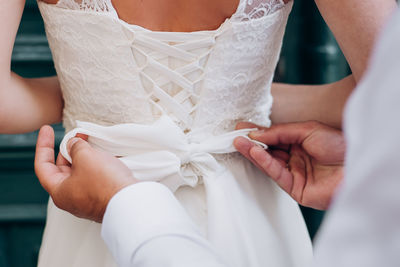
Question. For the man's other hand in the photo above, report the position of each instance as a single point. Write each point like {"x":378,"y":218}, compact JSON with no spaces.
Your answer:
{"x":85,"y":187}
{"x":304,"y":159}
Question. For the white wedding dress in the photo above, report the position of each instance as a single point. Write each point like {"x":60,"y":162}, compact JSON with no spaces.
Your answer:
{"x":166,"y":103}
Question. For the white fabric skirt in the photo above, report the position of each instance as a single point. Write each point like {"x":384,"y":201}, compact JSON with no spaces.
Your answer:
{"x":268,"y":228}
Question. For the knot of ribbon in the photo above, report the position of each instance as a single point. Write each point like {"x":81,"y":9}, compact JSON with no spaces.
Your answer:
{"x":159,"y":152}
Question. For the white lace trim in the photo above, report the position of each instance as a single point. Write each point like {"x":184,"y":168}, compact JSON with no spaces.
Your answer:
{"x":87,"y":5}
{"x":255,"y":9}
{"x":247,"y":10}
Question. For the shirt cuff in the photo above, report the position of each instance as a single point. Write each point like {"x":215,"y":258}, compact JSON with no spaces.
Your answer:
{"x":139,"y":213}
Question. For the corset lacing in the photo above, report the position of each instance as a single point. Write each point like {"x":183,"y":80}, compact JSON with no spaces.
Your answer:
{"x":173,"y":90}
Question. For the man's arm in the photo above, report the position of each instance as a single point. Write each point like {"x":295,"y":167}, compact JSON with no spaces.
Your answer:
{"x":143,"y":224}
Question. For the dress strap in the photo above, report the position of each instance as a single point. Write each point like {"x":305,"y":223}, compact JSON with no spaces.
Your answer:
{"x":253,"y":9}
{"x":102,"y":6}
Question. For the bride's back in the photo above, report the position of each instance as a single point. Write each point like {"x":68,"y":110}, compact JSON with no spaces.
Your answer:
{"x":172,"y":15}
{"x":112,"y":71}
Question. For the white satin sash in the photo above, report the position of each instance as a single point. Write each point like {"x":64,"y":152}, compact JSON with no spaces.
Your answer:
{"x":159,"y":152}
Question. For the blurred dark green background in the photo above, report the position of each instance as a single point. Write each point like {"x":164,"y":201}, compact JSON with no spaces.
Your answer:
{"x":310,"y":55}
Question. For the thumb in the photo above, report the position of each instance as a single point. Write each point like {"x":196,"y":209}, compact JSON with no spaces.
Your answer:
{"x":247,"y":125}
{"x":77,"y":147}
{"x":285,"y":134}
{"x":48,"y":173}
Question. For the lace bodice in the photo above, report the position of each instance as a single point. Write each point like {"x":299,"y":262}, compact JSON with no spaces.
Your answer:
{"x":165,"y":103}
{"x":113,"y":72}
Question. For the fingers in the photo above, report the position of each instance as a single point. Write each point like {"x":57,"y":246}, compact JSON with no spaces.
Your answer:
{"x":247,"y":125}
{"x":274,"y":164}
{"x":284,"y":147}
{"x":243,"y":145}
{"x":45,"y":168}
{"x":281,"y":156}
{"x":300,"y":171}
{"x":273,"y":167}
{"x":76,"y":146}
{"x":44,"y":156}
{"x":45,"y":142}
{"x":285,"y":134}
{"x":61,"y":161}
{"x":82,"y":136}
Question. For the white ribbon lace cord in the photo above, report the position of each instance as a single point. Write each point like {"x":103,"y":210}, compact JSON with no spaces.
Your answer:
{"x":159,"y":152}
{"x":156,"y":47}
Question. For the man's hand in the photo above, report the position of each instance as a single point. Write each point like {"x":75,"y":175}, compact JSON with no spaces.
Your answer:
{"x":85,"y":188}
{"x":305,"y":159}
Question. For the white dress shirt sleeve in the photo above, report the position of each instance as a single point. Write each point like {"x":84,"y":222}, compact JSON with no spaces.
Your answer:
{"x":145,"y":226}
{"x":363,"y":226}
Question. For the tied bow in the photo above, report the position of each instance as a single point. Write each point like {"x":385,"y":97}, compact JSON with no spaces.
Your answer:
{"x":159,"y":152}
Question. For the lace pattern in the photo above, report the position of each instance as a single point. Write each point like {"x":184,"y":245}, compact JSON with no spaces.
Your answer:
{"x":255,"y":9}
{"x":87,"y":5}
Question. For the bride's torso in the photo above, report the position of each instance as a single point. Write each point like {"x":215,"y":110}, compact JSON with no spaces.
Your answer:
{"x":113,"y":72}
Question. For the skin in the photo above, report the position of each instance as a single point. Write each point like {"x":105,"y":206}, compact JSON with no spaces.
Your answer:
{"x":85,"y":188}
{"x":295,"y":103}
{"x":304,"y":159}
{"x":27,"y":104}
{"x":356,"y":25}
